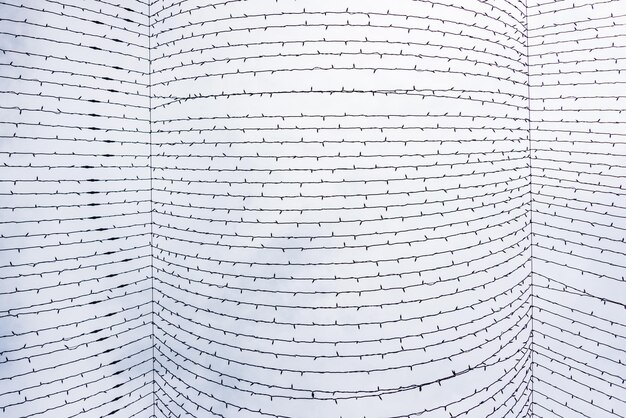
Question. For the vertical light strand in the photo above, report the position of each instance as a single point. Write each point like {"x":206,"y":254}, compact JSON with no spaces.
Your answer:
{"x":530,"y":180}
{"x":151,"y":202}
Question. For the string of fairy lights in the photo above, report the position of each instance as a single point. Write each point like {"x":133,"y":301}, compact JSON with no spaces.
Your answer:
{"x":305,"y":253}
{"x":575,"y":62}
{"x":326,"y":209}
{"x":75,"y":262}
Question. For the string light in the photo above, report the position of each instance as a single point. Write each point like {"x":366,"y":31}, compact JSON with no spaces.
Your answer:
{"x":329,"y":209}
